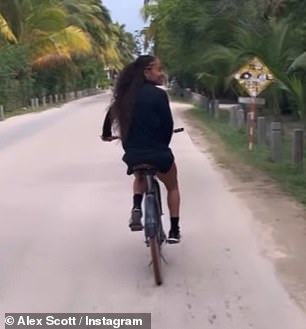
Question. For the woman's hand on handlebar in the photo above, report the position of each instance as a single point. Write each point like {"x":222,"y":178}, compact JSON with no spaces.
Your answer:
{"x":108,"y":138}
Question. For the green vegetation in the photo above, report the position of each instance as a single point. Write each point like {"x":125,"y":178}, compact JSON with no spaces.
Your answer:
{"x":291,"y":179}
{"x":203,"y":42}
{"x":51,"y":46}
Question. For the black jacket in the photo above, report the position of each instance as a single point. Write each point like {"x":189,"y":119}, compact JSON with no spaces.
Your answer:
{"x":152,"y":122}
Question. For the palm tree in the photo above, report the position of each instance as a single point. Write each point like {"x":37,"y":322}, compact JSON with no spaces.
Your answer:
{"x":42,"y":27}
{"x":90,"y":16}
{"x":69,"y":43}
{"x":208,"y":44}
{"x":120,"y":49}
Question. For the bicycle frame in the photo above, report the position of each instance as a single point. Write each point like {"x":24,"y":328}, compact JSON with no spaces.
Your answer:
{"x":153,"y":209}
{"x":153,"y":226}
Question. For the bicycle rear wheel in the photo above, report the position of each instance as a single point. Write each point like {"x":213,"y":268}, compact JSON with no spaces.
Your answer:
{"x":156,"y":260}
{"x":153,"y":229}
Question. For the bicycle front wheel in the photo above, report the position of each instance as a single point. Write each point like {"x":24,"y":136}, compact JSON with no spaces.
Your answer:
{"x":156,"y":260}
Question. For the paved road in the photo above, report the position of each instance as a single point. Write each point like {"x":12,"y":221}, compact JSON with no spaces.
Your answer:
{"x":65,"y":245}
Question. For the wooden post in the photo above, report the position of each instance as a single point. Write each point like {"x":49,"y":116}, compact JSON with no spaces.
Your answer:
{"x":194,"y":98}
{"x":298,"y":147}
{"x":233,"y":116}
{"x":205,"y":103}
{"x":187,"y":94}
{"x":251,"y":130}
{"x":211,"y":107}
{"x":276,"y":141}
{"x":216,"y":109}
{"x":240,"y":119}
{"x":1,"y":112}
{"x":261,"y":130}
{"x":248,"y":122}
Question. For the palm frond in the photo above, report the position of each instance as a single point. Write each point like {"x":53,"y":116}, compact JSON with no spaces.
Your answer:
{"x":76,"y":40}
{"x":298,"y":64}
{"x":50,"y":19}
{"x":5,"y":31}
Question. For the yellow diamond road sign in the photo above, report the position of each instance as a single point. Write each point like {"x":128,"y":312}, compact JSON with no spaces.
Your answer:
{"x":254,"y":77}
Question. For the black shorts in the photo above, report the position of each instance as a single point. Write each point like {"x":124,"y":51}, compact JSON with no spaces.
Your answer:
{"x":162,"y":159}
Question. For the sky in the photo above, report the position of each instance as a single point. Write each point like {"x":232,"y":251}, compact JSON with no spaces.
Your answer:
{"x":126,"y":12}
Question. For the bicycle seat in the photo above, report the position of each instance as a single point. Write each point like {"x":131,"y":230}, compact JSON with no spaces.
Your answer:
{"x":145,"y":169}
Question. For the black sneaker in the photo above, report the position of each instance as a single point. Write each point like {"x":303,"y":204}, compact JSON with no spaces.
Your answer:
{"x":135,"y":220}
{"x":174,"y":236}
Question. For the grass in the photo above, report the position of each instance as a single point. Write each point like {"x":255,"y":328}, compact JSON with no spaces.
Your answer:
{"x":235,"y":144}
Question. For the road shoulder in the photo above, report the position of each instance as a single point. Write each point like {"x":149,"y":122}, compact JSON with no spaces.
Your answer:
{"x":280,"y":220}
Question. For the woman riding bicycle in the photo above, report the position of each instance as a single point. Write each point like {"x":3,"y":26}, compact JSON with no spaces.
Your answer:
{"x":142,"y":114}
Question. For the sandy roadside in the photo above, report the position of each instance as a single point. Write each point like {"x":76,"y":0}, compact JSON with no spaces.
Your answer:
{"x":280,"y":220}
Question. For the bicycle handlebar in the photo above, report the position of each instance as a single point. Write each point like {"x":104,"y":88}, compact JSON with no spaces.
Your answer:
{"x":178,"y":130}
{"x":112,"y":138}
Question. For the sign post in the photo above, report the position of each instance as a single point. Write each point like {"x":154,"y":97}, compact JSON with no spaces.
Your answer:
{"x":254,"y":77}
{"x":252,"y":123}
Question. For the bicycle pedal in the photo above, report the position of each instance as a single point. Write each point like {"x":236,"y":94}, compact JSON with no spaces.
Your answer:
{"x":136,"y":227}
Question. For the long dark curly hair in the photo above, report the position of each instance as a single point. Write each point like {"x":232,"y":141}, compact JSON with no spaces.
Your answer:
{"x":129,"y":82}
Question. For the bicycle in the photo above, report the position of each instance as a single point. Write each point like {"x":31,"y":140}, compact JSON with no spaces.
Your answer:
{"x":154,"y":232}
